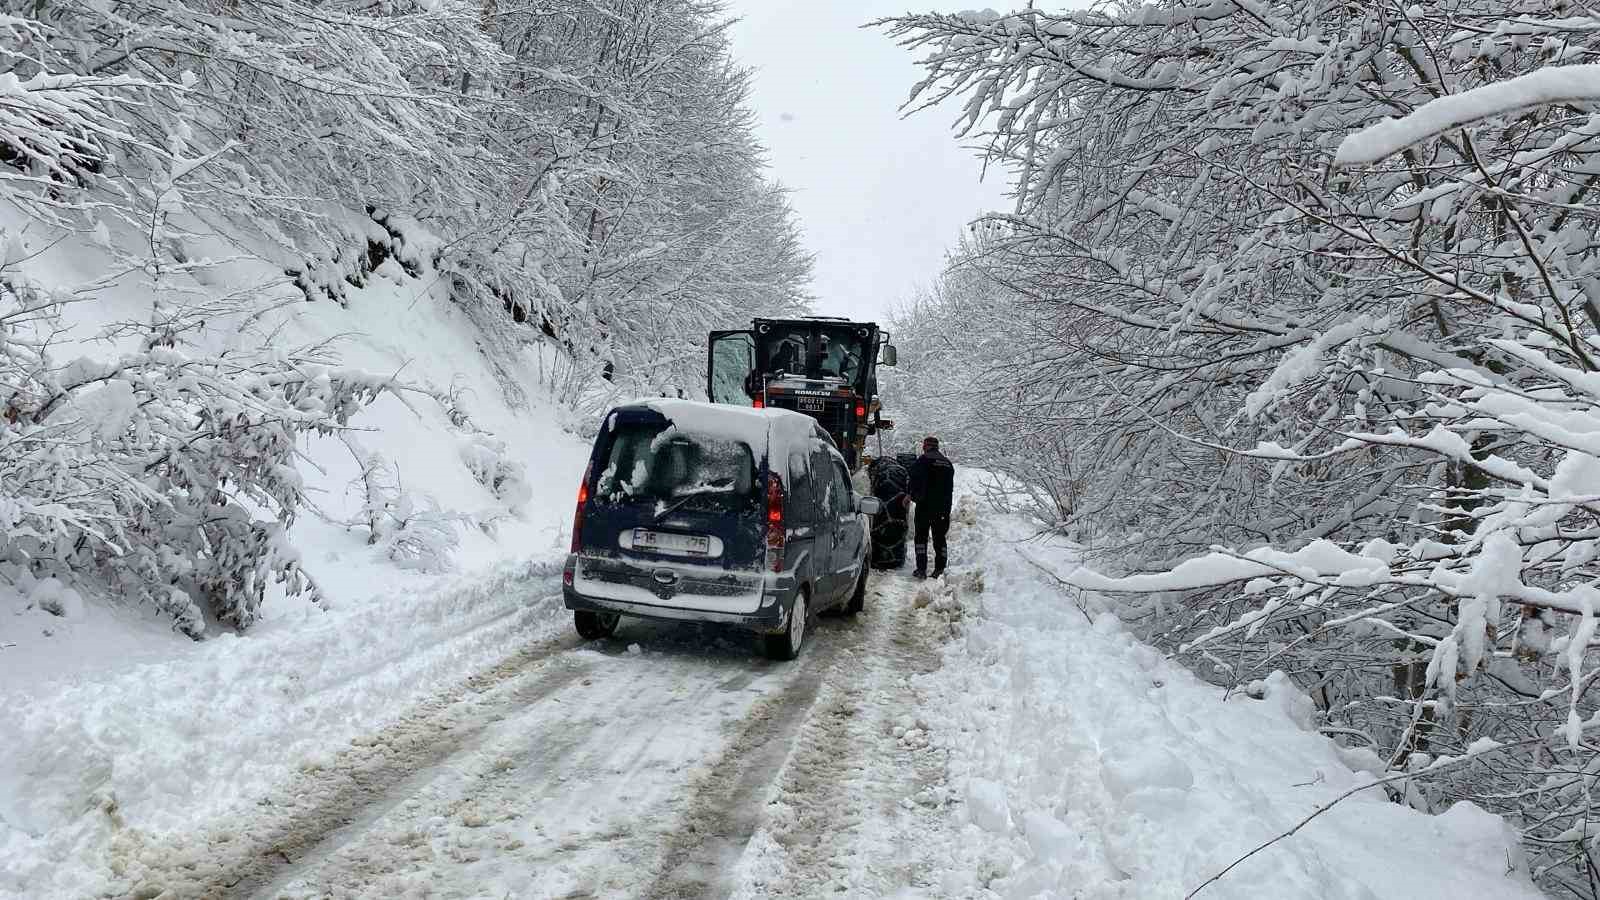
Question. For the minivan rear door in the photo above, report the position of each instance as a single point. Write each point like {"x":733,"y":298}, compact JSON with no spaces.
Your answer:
{"x":677,"y":514}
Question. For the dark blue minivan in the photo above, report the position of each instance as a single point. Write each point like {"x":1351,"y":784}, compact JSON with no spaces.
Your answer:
{"x":713,"y":513}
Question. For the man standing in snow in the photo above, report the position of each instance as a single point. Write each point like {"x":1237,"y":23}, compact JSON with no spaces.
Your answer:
{"x":933,"y":482}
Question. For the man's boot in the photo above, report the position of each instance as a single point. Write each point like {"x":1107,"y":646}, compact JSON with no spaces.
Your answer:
{"x":922,"y":566}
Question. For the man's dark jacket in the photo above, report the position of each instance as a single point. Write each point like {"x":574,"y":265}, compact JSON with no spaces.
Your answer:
{"x":933,"y":483}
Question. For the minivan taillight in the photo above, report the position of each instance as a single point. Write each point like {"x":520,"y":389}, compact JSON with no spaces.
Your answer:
{"x":577,"y":514}
{"x":775,"y":526}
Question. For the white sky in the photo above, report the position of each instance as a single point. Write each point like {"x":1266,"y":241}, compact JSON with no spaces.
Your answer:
{"x":880,"y":197}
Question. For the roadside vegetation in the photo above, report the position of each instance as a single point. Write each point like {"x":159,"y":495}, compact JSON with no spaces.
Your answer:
{"x":1295,"y":325}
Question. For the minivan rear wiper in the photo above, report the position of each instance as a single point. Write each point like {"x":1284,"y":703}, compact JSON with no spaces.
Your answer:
{"x":671,"y":509}
{"x":685,"y":498}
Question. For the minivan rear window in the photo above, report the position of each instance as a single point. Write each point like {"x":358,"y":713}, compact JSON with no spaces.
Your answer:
{"x":656,"y":462}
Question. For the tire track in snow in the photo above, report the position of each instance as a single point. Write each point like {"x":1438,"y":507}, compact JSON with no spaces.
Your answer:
{"x":837,"y":825}
{"x":648,"y":780}
{"x":356,"y":867}
{"x":541,"y":582}
{"x":330,"y":800}
{"x":727,"y":806}
{"x":592,"y":800}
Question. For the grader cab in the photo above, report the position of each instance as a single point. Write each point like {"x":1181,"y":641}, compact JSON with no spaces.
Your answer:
{"x":824,"y":367}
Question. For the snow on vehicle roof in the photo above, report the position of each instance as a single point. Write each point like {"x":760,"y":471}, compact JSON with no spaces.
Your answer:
{"x":748,"y":425}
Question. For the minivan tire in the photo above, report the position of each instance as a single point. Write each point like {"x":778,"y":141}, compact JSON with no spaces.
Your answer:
{"x":786,"y":644}
{"x":593,"y":626}
{"x":858,"y":600}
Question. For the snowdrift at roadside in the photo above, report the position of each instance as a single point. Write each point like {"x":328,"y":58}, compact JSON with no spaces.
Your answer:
{"x":1086,"y":764}
{"x":117,"y":724}
{"x":147,"y":750}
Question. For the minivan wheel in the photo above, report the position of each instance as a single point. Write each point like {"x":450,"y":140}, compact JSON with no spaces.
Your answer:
{"x":858,"y":600}
{"x":786,"y":644}
{"x":595,"y":625}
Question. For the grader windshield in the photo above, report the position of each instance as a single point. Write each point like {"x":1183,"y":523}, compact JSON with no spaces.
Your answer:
{"x":742,"y":362}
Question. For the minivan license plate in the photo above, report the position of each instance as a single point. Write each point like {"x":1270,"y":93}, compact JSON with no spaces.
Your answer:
{"x":697,"y":545}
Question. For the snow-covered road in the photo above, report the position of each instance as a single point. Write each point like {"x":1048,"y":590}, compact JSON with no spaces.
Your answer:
{"x":985,"y":736}
{"x":605,"y":769}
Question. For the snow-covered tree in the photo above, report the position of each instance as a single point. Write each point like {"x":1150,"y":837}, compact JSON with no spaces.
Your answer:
{"x":674,"y":225}
{"x":1317,"y":283}
{"x":581,"y":175}
{"x":154,"y":468}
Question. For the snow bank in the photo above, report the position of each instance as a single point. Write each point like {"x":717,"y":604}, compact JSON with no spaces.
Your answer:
{"x":146,"y":749}
{"x":1556,"y":84}
{"x":113,"y":723}
{"x":1089,"y":765}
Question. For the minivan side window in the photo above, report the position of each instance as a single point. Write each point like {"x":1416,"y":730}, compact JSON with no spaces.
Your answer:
{"x":822,"y":477}
{"x":841,"y":489}
{"x":802,"y":488}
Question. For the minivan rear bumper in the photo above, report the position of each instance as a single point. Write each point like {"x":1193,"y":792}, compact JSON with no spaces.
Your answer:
{"x":770,"y":613}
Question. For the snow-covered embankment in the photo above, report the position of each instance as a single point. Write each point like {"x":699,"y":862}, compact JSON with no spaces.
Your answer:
{"x":1088,"y":765}
{"x":116,"y":726}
